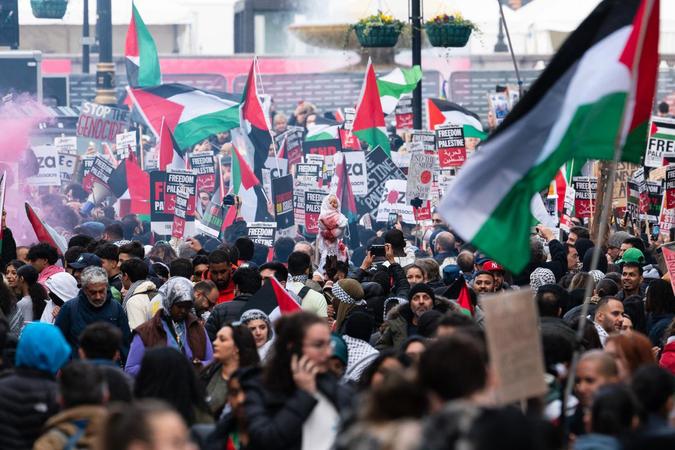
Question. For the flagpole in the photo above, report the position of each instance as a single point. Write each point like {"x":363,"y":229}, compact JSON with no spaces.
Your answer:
{"x":606,"y":207}
{"x":256,"y":71}
{"x":513,"y":55}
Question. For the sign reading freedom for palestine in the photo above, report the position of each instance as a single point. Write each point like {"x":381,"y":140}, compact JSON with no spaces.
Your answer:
{"x":101,"y":122}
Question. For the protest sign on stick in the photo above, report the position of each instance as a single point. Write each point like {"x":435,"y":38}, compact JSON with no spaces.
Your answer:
{"x":451,"y":146}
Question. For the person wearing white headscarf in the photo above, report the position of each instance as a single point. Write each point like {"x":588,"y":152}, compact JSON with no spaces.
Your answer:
{"x":332,"y":224}
{"x":62,"y":287}
{"x":175,"y":325}
{"x":257,"y":321}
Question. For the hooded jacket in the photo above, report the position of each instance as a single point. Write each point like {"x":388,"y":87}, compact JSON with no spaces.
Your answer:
{"x":28,"y":393}
{"x":77,"y":313}
{"x":85,"y":420}
{"x":137,"y":303}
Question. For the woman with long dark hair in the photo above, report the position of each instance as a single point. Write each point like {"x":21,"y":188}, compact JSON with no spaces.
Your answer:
{"x":660,"y":307}
{"x":34,"y":294}
{"x":167,"y":375}
{"x":11,"y":276}
{"x":10,"y":311}
{"x":233,"y":347}
{"x":295,"y":402}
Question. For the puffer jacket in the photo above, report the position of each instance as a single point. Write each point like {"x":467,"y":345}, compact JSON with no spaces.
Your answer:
{"x":81,"y":424}
{"x":224,"y":313}
{"x":27,"y":400}
{"x":275,"y":418}
{"x":400,"y":317}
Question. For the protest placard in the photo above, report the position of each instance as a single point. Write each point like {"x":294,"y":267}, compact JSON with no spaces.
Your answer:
{"x":654,"y":198}
{"x":87,"y":163}
{"x":204,"y":168}
{"x":282,"y":199}
{"x":404,"y":113}
{"x":125,"y":143}
{"x":498,"y":105}
{"x":101,"y":169}
{"x":420,"y":176}
{"x":278,"y":167}
{"x":633,"y":199}
{"x":48,"y":163}
{"x":568,"y":209}
{"x":308,"y":171}
{"x":661,"y":140}
{"x":350,"y":115}
{"x":358,"y":174}
{"x":394,"y":201}
{"x":423,"y":212}
{"x":426,"y":137}
{"x":450,"y":145}
{"x":666,"y":219}
{"x":514,"y":345}
{"x":669,"y":258}
{"x":67,"y":166}
{"x":585,"y":189}
{"x":180,"y":212}
{"x":180,"y":179}
{"x":670,"y":187}
{"x":294,"y":137}
{"x":380,"y":168}
{"x":211,"y":222}
{"x":349,"y":141}
{"x":313,"y":201}
{"x":325,"y":147}
{"x":160,"y":221}
{"x":101,"y":122}
{"x":262,"y":233}
{"x":66,"y":144}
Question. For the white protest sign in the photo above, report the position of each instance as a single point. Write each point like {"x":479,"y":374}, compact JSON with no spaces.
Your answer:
{"x":124,"y":143}
{"x":356,"y":168}
{"x":67,"y":165}
{"x":394,"y":201}
{"x":66,"y":144}
{"x":661,"y":140}
{"x":514,"y":345}
{"x":48,"y":161}
{"x":350,"y":114}
{"x":278,"y":167}
{"x":420,"y":176}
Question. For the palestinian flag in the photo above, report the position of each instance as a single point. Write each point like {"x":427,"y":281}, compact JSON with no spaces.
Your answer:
{"x":192,"y":114}
{"x":395,"y":84}
{"x":171,"y":156}
{"x":3,"y":186}
{"x":140,"y":54}
{"x":323,"y":129}
{"x":247,"y":186}
{"x":272,"y":298}
{"x":597,"y":91}
{"x":342,"y":188}
{"x":369,"y":121}
{"x":44,"y":232}
{"x":441,"y":111}
{"x":662,"y":128}
{"x":131,"y":185}
{"x":255,"y":126}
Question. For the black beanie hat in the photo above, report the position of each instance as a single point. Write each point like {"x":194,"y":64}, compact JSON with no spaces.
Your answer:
{"x":359,"y":325}
{"x":421,"y":287}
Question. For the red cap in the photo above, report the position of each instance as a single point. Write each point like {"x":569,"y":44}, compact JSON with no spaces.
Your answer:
{"x":491,"y":266}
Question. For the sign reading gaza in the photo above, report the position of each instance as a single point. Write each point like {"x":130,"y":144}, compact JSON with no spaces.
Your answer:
{"x":101,"y":122}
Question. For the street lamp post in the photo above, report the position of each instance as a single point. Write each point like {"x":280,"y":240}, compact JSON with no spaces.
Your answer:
{"x":105,"y":69}
{"x":85,"y":38}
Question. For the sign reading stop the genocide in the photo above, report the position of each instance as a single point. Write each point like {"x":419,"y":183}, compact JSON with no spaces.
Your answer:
{"x":101,"y":122}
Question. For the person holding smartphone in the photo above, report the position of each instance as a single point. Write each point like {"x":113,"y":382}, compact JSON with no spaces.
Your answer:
{"x":294,"y":401}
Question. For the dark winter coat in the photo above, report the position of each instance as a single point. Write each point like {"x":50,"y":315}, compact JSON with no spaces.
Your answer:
{"x":27,"y":400}
{"x":224,"y":313}
{"x":557,"y":264}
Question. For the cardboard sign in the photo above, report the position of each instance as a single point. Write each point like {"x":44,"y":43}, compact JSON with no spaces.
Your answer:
{"x":451,"y":146}
{"x":380,"y":168}
{"x":426,"y":138}
{"x":670,"y":187}
{"x":204,"y":167}
{"x":282,"y":198}
{"x":404,"y":113}
{"x":66,"y":144}
{"x":357,"y":171}
{"x":585,"y":191}
{"x":161,"y":222}
{"x":661,"y":140}
{"x":48,"y":161}
{"x":669,"y":259}
{"x":514,"y":345}
{"x":262,"y":233}
{"x":313,"y":200}
{"x":420,"y":176}
{"x":101,"y":122}
{"x":67,"y":166}
{"x":278,"y":167}
{"x":180,"y":212}
{"x":394,"y":201}
{"x":125,"y":143}
{"x":654,"y":198}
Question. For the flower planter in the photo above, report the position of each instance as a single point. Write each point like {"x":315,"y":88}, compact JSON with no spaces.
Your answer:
{"x":377,"y":35}
{"x":448,"y":34}
{"x":49,"y":9}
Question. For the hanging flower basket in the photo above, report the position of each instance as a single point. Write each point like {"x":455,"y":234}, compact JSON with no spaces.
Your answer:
{"x":379,"y":30}
{"x":449,"y":31}
{"x":49,"y":9}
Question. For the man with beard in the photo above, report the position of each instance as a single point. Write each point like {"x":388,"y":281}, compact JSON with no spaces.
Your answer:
{"x":484,"y":282}
{"x":608,"y":317}
{"x":220,"y":272}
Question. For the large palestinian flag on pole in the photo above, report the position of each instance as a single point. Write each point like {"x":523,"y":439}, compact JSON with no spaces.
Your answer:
{"x":247,"y":186}
{"x":395,"y":84}
{"x":254,"y":124}
{"x":129,"y":182}
{"x":595,"y":95}
{"x":44,"y":232}
{"x":369,"y":121}
{"x":170,"y":153}
{"x":441,"y":111}
{"x":140,"y":54}
{"x":192,"y":114}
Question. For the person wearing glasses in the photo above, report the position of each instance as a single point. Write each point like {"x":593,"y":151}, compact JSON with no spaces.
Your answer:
{"x":294,"y":402}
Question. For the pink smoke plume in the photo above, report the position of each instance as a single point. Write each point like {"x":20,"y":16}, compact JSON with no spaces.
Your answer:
{"x":19,"y":117}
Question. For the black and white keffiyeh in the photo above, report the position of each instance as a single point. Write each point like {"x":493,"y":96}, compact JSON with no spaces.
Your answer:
{"x":344,"y":297}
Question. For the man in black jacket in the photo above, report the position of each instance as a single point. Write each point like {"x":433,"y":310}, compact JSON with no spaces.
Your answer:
{"x":247,"y":281}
